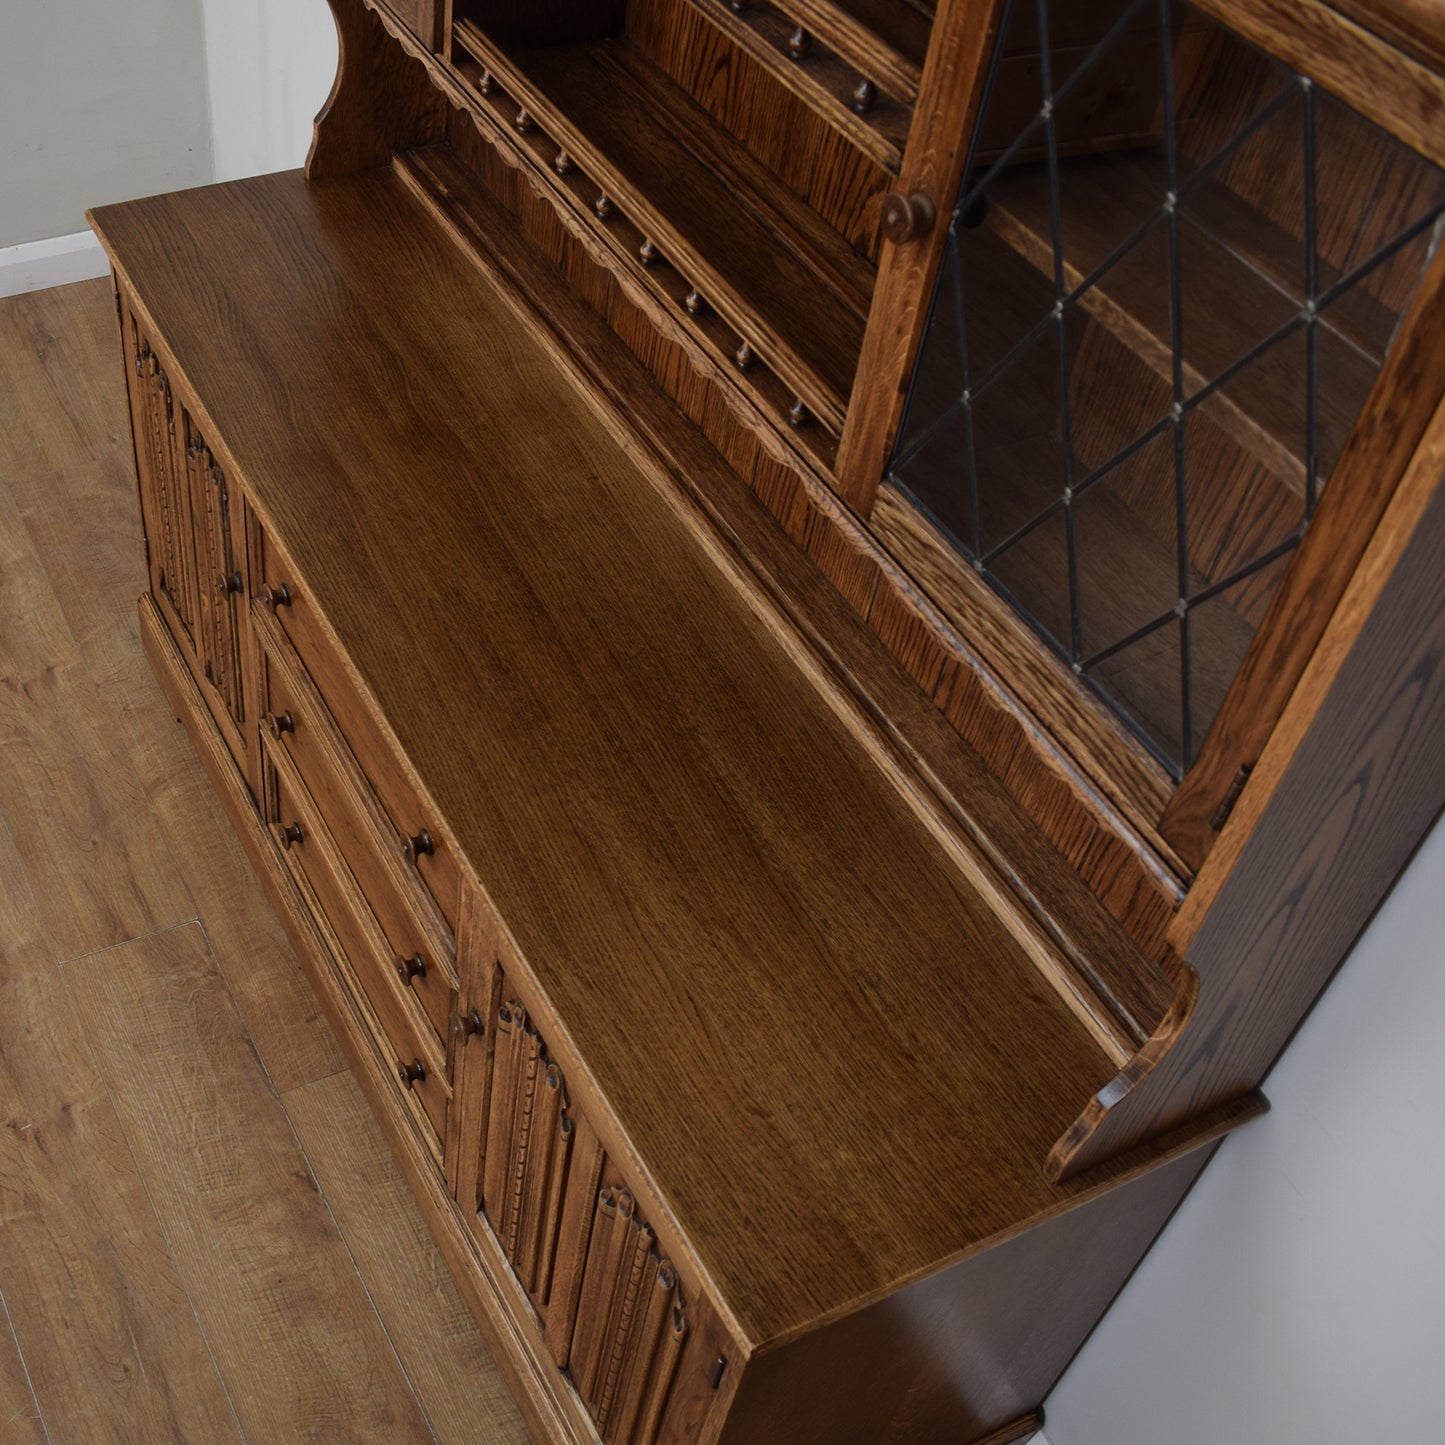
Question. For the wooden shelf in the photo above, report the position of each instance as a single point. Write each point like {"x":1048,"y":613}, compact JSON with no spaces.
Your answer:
{"x":822,"y":79}
{"x":1227,"y":294}
{"x":784,"y":280}
{"x":886,"y":40}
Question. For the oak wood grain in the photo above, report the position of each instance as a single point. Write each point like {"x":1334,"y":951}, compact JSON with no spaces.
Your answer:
{"x":288,"y":1321}
{"x":455,"y":1379}
{"x":749,"y":832}
{"x":90,"y":1285}
{"x":380,"y":100}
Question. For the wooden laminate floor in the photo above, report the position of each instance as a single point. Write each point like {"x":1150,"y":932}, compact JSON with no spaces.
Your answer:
{"x":202,"y":1235}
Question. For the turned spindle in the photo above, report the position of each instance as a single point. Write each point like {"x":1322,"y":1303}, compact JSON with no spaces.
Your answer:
{"x":486,"y":83}
{"x":524,"y":122}
{"x":648,"y":254}
{"x":694,"y":302}
{"x":800,"y":44}
{"x":563,"y":165}
{"x":798,"y":414}
{"x":743,"y":356}
{"x":604,"y":207}
{"x":865,"y":96}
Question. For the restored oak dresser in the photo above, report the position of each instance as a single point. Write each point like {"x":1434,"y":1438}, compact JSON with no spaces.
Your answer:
{"x":824,"y":619}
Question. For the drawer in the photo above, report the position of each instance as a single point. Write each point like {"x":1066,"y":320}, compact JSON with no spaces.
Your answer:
{"x":281,"y":595}
{"x":405,"y":1038}
{"x":298,"y":724}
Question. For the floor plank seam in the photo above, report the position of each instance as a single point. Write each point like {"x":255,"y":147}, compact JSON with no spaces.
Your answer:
{"x":145,"y":1185}
{"x":307,"y":1083}
{"x":25,"y":1368}
{"x":195,"y":919}
{"x":361,"y":1277}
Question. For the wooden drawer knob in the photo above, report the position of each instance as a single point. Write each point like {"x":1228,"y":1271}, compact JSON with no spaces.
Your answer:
{"x":410,"y":968}
{"x":226,"y":585}
{"x":416,"y":846}
{"x":469,"y":1024}
{"x":274,"y":597}
{"x":292,"y":833}
{"x":905,"y":218}
{"x":411,"y":1074}
{"x":278,"y":723}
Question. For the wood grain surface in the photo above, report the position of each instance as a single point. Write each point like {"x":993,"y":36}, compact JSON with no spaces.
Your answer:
{"x":757,"y":862}
{"x":91,"y":1286}
{"x":54,"y":730}
{"x":284,"y":1312}
{"x":434,"y":1333}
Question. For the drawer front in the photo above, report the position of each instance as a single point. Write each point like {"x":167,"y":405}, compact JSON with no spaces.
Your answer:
{"x":412,"y":1053}
{"x":298,"y":724}
{"x":415,"y":834}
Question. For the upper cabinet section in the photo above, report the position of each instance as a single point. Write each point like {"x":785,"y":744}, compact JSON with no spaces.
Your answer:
{"x":1174,"y":273}
{"x":717,"y":168}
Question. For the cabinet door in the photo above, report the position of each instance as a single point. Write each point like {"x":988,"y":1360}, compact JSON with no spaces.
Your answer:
{"x":222,"y":582}
{"x":529,"y":1152}
{"x":644,"y":1352}
{"x":195,"y":547}
{"x":164,"y":495}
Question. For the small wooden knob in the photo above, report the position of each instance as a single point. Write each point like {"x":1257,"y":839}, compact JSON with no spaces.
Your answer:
{"x":278,"y":723}
{"x":274,"y":597}
{"x":415,"y":846}
{"x":905,"y":218}
{"x":411,"y":1074}
{"x":230,"y":583}
{"x":410,"y":968}
{"x":469,"y":1023}
{"x":292,"y":833}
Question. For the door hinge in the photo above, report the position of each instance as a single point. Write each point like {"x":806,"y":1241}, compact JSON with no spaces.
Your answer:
{"x":1231,"y":797}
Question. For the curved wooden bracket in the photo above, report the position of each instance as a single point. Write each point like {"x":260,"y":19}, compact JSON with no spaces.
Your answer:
{"x":1093,"y":1137}
{"x":381,"y":101}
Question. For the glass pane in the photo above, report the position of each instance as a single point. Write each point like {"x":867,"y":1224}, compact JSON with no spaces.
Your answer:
{"x":1018,"y":441}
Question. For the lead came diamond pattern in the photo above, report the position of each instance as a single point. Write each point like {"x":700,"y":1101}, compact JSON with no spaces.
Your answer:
{"x":1169,"y":283}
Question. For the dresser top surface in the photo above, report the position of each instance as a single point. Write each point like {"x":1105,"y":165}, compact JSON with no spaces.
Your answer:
{"x":832,"y":1056}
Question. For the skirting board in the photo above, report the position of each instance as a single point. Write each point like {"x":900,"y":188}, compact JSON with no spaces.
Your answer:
{"x":36,"y":265}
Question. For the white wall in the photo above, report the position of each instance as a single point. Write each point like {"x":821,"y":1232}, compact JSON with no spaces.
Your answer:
{"x":269,"y":68}
{"x":1298,"y":1297}
{"x":99,"y":102}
